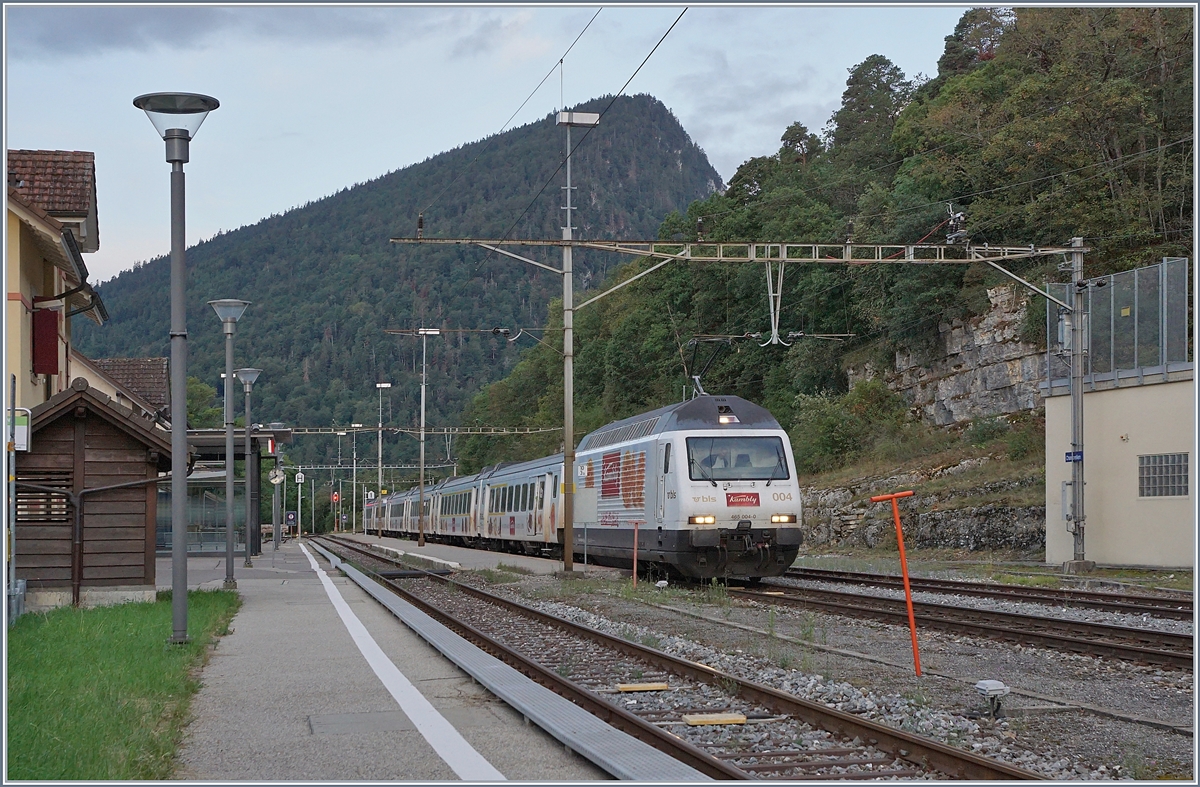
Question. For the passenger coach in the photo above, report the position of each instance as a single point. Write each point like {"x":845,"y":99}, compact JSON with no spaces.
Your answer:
{"x":708,"y":486}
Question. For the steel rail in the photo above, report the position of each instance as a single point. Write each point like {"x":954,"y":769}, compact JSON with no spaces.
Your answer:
{"x":916,"y":749}
{"x":611,"y":714}
{"x":1129,"y":603}
{"x":1026,"y":629}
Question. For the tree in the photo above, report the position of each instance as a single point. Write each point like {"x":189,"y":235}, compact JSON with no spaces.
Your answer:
{"x":800,"y":143}
{"x":201,"y":412}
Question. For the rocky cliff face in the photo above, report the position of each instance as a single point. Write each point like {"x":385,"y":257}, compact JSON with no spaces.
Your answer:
{"x":844,"y":516}
{"x":984,"y":368}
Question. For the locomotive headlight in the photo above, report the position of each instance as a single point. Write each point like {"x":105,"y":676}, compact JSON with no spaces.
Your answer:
{"x":704,"y":519}
{"x":782,"y":518}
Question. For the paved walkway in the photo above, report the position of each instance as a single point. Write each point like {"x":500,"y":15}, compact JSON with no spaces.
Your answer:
{"x":298,"y":692}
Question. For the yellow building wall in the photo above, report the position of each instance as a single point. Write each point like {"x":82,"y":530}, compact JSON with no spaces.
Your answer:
{"x":19,"y":320}
{"x":1119,"y":425}
{"x":29,"y":274}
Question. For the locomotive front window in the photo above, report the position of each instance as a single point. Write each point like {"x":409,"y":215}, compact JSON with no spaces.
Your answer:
{"x":736,"y":459}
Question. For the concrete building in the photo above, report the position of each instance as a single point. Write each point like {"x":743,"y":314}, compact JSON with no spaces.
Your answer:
{"x":1139,"y":406}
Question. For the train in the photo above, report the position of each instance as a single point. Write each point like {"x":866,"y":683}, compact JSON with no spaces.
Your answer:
{"x":707,"y":487}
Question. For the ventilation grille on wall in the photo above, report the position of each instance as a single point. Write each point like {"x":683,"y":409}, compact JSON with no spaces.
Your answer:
{"x":36,"y":506}
{"x":619,"y":435}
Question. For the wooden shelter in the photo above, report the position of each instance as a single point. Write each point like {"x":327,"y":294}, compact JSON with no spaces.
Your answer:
{"x":87,"y":496}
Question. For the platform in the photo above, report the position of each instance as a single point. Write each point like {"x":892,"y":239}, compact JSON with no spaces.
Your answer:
{"x":320,"y":682}
{"x":468,"y":558}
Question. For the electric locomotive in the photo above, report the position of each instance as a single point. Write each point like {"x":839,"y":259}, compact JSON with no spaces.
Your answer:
{"x":707,"y":487}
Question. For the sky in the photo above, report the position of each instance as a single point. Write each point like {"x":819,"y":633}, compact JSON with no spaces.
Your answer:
{"x":318,"y":98}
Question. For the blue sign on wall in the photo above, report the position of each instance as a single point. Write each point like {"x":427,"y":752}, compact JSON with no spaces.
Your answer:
{"x":1074,"y":456}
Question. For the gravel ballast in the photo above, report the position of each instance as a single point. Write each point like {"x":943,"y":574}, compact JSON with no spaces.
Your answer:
{"x":1059,"y":742}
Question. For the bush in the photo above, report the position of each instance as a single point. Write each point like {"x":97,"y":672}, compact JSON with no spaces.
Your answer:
{"x":984,"y":430}
{"x":1028,"y":435}
{"x":831,"y":431}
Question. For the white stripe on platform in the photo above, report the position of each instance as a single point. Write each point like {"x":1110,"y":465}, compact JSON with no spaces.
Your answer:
{"x":468,"y":764}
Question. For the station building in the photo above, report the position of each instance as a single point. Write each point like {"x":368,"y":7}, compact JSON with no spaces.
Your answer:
{"x":1139,"y":414}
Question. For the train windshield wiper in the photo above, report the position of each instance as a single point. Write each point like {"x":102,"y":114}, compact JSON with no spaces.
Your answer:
{"x":706,"y":476}
{"x":779,"y":465}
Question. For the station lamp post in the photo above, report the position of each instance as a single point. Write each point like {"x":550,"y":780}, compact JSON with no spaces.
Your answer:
{"x":229,"y":310}
{"x":248,"y":376}
{"x":424,"y":333}
{"x":337,"y":522}
{"x":570,"y":120}
{"x":379,"y":436}
{"x":354,"y":473}
{"x":177,"y":118}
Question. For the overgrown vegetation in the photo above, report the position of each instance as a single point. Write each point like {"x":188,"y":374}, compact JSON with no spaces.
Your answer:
{"x":1041,"y":125}
{"x":871,"y":424}
{"x":99,"y":693}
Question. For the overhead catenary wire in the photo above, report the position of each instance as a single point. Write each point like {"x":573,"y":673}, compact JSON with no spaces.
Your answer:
{"x":484,"y":149}
{"x":563,"y":163}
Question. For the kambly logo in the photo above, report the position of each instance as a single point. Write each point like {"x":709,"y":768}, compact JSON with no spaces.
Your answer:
{"x":741,"y":498}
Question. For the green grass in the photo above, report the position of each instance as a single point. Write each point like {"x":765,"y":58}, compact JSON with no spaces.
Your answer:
{"x":100,"y":693}
{"x":514,"y":569}
{"x":497,"y":576}
{"x":1029,"y":580}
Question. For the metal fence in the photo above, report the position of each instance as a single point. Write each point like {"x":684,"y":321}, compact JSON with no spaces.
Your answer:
{"x":1136,"y":321}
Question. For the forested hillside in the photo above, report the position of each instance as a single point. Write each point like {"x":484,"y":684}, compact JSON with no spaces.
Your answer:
{"x":1041,"y":125}
{"x":325,"y":282}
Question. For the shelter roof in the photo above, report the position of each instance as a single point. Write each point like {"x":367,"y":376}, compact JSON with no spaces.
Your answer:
{"x":81,"y":393}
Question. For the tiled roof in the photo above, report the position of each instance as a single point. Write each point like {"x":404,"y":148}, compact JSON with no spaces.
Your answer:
{"x":23,"y":200}
{"x":59,"y":181}
{"x":149,"y":378}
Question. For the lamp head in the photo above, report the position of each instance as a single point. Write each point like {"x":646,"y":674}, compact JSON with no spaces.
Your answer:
{"x":584,"y":119}
{"x":248,"y":376}
{"x":169,"y":111}
{"x":230,"y":310}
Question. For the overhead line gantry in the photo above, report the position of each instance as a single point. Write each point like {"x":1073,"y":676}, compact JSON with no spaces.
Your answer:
{"x":775,"y":256}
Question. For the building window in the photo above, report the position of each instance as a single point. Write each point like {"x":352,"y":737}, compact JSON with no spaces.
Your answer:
{"x":1163,"y":475}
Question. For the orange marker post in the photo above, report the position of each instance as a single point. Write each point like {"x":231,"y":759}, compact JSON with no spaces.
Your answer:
{"x":912,"y":621}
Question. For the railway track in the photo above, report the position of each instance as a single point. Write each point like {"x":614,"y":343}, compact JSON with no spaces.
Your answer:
{"x":1174,"y":607}
{"x":659,"y":698}
{"x":1094,"y":639}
